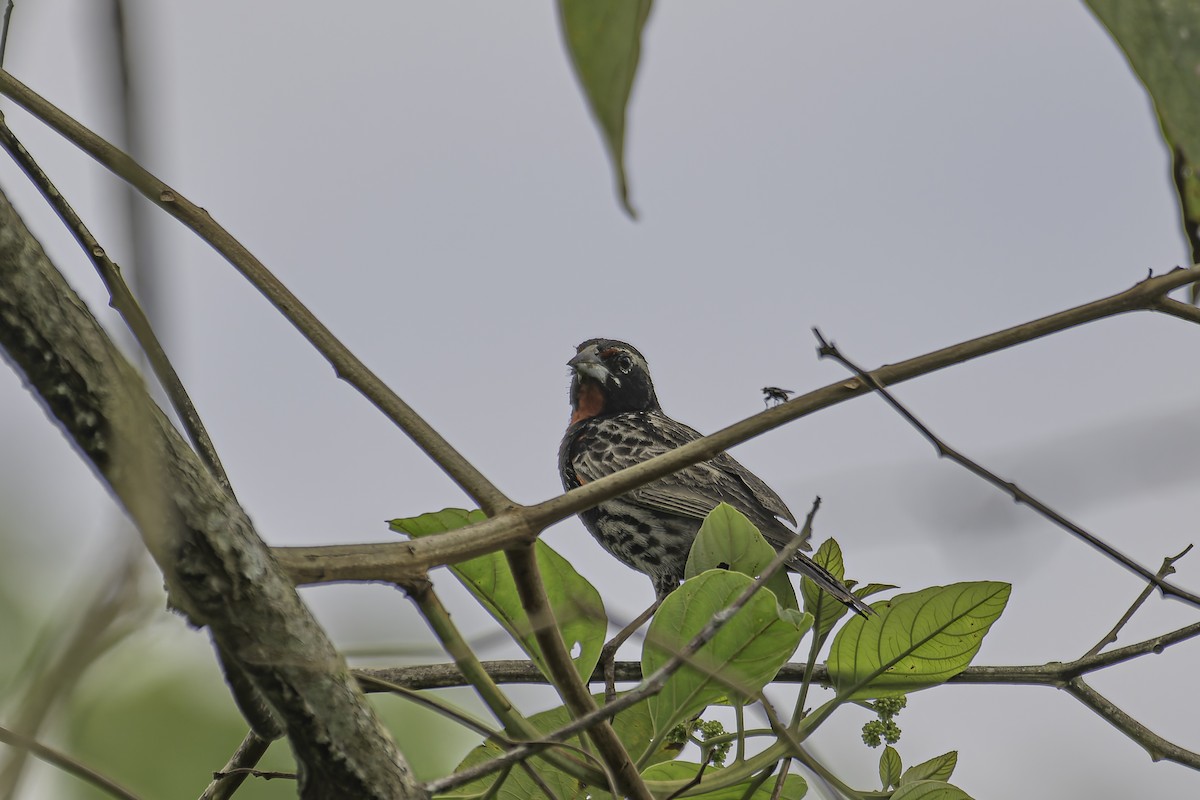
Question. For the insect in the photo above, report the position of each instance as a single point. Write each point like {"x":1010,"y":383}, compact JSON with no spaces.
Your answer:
{"x":773,"y":394}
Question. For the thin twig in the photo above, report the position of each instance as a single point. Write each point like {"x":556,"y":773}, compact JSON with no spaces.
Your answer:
{"x":1158,"y":747}
{"x":8,"y":12}
{"x":437,"y":705}
{"x":517,"y":727}
{"x":828,"y":350}
{"x":1167,"y":568}
{"x":402,"y":561}
{"x":247,"y":772}
{"x":347,"y":366}
{"x":66,"y":764}
{"x":1055,"y":673}
{"x":1185,"y":311}
{"x":231,"y":776}
{"x":788,"y":735}
{"x":124,"y":302}
{"x":527,"y":577}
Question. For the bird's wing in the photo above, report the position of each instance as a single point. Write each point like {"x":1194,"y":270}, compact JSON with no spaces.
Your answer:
{"x":694,"y":491}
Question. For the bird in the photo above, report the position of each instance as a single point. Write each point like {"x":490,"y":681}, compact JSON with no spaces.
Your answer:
{"x":616,"y":422}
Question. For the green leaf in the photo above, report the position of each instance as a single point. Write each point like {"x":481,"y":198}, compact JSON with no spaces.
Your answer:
{"x":930,"y":790}
{"x":633,"y":726}
{"x":915,"y":640}
{"x":889,"y":767}
{"x":728,"y":540}
{"x":939,"y":768}
{"x":863,"y":592}
{"x":604,"y":40}
{"x":794,"y":786}
{"x":825,"y":608}
{"x":744,"y":655}
{"x":578,"y":609}
{"x":1162,"y":42}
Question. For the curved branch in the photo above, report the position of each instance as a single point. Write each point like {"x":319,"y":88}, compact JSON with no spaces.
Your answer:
{"x":829,"y":350}
{"x":124,"y":302}
{"x":347,"y":366}
{"x":401,"y":562}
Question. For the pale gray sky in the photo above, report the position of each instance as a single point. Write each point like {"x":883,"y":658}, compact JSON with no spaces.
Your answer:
{"x":426,"y":177}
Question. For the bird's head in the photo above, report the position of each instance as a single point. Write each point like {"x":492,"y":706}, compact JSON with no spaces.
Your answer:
{"x":609,"y":377}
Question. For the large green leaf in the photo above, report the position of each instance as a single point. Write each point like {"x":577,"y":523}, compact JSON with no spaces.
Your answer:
{"x":930,"y":790}
{"x":578,"y":609}
{"x":604,"y":40}
{"x":745,"y":654}
{"x":915,"y":640}
{"x":1162,"y":42}
{"x":728,"y":540}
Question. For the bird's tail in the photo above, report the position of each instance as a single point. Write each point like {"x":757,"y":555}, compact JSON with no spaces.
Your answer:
{"x":825,"y":581}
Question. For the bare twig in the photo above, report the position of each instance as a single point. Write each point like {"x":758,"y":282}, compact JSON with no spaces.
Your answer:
{"x":401,"y":561}
{"x":1167,"y":568}
{"x":1158,"y":747}
{"x":828,"y":350}
{"x":347,"y":366}
{"x":1175,"y":308}
{"x":66,"y":764}
{"x":517,"y":727}
{"x":247,"y":772}
{"x":1055,"y":674}
{"x":124,"y":302}
{"x":578,"y":700}
{"x":232,"y":775}
{"x":8,"y":12}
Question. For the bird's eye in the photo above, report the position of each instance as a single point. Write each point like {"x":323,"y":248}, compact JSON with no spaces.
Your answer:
{"x":624,"y":362}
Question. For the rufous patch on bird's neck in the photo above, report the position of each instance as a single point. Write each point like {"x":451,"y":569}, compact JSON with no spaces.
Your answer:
{"x":589,"y":402}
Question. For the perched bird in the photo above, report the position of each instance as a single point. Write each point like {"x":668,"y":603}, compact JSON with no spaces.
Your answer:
{"x":616,"y":421}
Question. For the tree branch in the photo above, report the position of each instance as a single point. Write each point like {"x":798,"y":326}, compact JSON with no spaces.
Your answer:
{"x":124,"y":302}
{"x":575,"y":695}
{"x":1060,"y":675}
{"x":403,"y":561}
{"x":217,"y":570}
{"x":347,"y":366}
{"x":829,"y":350}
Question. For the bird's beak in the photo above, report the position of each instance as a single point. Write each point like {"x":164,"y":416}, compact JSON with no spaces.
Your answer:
{"x":587,"y":364}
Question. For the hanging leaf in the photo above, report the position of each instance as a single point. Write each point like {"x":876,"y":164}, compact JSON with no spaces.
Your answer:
{"x":1162,"y":42}
{"x":604,"y":40}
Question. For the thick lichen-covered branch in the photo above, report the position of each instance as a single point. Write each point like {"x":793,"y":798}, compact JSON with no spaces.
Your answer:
{"x":218,"y":571}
